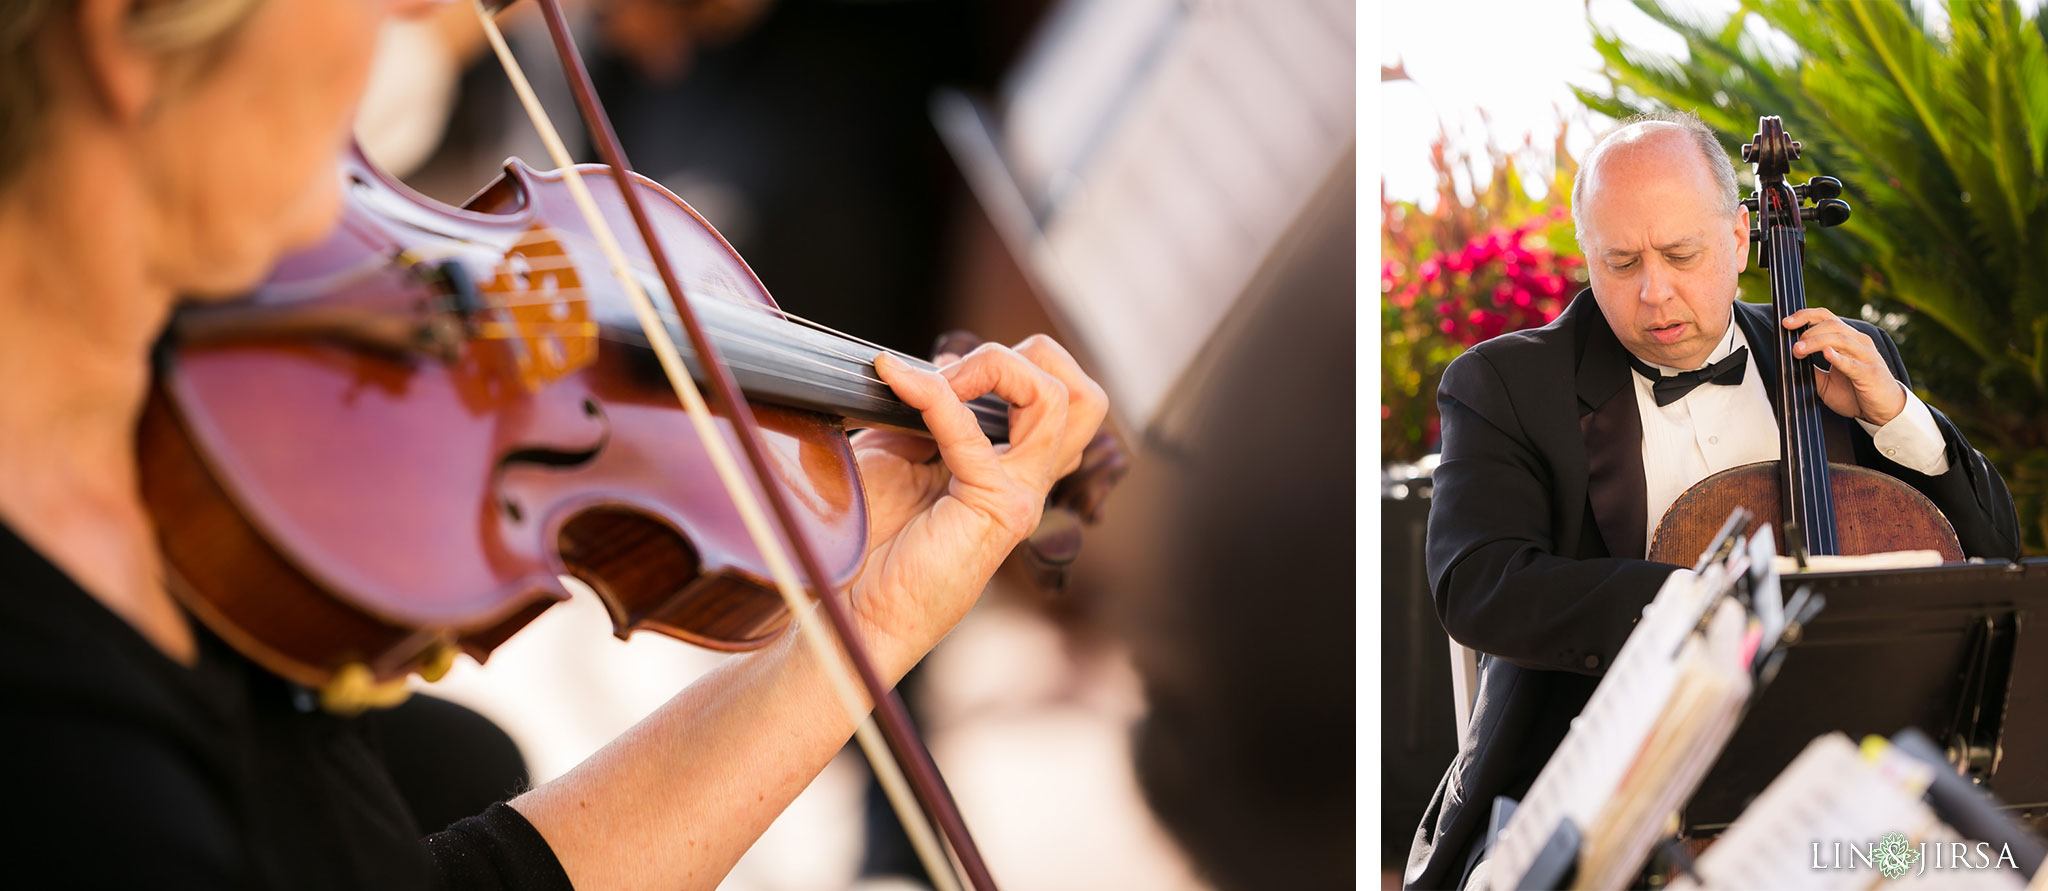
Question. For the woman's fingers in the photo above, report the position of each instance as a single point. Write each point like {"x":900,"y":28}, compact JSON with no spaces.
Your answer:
{"x":1038,"y":408}
{"x":909,"y":447}
{"x":1055,"y":411}
{"x":966,"y":450}
{"x":1087,"y":405}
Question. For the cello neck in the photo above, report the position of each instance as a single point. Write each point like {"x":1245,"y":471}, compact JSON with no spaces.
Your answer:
{"x":1808,"y":498}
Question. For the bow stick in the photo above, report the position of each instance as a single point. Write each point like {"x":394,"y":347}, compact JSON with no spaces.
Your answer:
{"x":890,"y":718}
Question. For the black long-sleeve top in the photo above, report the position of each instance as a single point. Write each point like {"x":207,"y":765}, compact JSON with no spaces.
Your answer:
{"x":127,"y":769}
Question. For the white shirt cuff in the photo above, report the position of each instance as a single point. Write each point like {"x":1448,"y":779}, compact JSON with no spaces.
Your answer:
{"x":1911,"y":439}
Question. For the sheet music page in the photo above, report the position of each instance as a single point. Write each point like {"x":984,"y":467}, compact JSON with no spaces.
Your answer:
{"x":1768,"y":600}
{"x":1606,"y":739}
{"x":1689,"y":733}
{"x":1861,"y":562}
{"x":1163,"y":149}
{"x":1799,"y":833}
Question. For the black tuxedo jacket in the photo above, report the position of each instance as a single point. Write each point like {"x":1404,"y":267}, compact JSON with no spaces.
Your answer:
{"x":1536,"y":538}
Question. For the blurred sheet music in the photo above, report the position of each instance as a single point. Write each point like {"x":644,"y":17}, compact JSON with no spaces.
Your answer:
{"x":1148,"y":160}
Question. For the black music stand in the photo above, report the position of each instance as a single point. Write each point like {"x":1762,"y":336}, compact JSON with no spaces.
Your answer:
{"x":1952,"y":650}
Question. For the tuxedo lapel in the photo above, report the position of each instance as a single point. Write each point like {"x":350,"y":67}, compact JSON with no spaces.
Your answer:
{"x":1613,"y":434}
{"x":1762,"y":334}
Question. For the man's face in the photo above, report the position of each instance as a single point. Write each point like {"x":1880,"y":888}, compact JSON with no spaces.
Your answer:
{"x":1662,"y":245}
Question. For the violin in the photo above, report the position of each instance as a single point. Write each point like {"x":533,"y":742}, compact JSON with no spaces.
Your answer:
{"x":413,"y":429}
{"x":390,"y":452}
{"x":1813,"y":505}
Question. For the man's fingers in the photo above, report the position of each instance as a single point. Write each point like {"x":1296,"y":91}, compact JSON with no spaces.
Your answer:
{"x":1038,"y":407}
{"x":1087,"y":405}
{"x":1843,"y":338}
{"x":1812,"y":315}
{"x":966,"y":450}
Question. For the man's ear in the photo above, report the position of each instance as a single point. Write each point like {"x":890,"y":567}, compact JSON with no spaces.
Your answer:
{"x":123,"y":76}
{"x":1741,"y":224}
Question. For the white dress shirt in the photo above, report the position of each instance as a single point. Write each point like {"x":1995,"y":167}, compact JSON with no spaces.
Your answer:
{"x":1678,"y":453}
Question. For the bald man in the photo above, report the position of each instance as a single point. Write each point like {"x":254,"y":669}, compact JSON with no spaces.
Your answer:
{"x":1560,"y":454}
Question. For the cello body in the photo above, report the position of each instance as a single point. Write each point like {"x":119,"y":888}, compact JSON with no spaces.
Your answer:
{"x":1873,"y":512}
{"x":1813,"y":506}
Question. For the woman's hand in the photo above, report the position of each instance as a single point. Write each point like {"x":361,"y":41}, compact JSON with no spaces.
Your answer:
{"x":938,"y":531}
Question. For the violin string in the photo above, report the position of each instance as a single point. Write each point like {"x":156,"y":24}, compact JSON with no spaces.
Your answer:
{"x":520,"y":331}
{"x":980,"y":409}
{"x":540,"y":236}
{"x":725,"y":333}
{"x":747,"y":304}
{"x":558,"y":298}
{"x":888,"y":773}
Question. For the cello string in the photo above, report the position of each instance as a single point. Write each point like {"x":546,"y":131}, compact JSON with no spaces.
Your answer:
{"x":887,"y":772}
{"x":1793,"y":436}
{"x":1811,"y":518}
{"x":1811,"y":467}
{"x":1822,"y":496}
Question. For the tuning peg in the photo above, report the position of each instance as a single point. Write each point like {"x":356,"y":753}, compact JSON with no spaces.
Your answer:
{"x":1750,"y":203}
{"x":1827,"y":212}
{"x":1820,"y":187}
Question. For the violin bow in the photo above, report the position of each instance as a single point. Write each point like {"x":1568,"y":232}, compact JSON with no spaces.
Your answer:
{"x":889,"y":719}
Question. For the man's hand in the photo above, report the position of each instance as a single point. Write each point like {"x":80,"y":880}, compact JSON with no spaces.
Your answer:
{"x":1871,"y":393}
{"x":938,"y":532}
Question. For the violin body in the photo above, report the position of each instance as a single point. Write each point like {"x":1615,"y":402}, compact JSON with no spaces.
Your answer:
{"x":1873,"y":512}
{"x":412,"y":480}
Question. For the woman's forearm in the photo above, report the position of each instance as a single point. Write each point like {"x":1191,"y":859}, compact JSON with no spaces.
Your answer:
{"x":676,"y":799}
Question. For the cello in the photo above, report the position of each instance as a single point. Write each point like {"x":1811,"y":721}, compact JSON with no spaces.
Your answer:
{"x":1813,"y":505}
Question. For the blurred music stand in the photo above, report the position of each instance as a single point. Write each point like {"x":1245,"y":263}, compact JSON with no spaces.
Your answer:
{"x":1150,"y":164}
{"x":1948,"y":650}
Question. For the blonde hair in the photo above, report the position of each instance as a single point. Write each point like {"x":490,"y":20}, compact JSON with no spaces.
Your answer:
{"x":166,"y":26}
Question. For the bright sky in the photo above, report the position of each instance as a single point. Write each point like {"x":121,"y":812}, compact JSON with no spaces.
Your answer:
{"x":1516,"y":61}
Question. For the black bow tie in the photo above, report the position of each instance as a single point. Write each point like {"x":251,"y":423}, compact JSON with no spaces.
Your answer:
{"x":1671,"y":388}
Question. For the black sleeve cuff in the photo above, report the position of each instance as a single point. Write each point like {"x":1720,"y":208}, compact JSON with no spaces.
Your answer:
{"x":496,"y":849}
